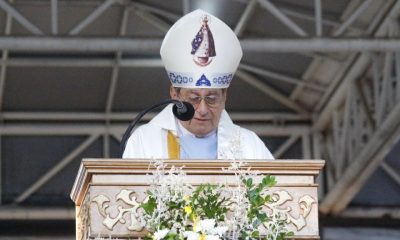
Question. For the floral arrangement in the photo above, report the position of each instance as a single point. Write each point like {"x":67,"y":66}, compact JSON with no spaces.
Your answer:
{"x":176,"y":210}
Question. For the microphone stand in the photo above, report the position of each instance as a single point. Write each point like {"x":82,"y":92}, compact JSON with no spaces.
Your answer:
{"x":181,"y":106}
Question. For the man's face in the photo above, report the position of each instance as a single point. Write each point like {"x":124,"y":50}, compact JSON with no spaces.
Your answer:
{"x":208,"y":104}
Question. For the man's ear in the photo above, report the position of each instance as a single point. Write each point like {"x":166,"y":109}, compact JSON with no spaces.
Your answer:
{"x":225,"y":94}
{"x":173,"y":93}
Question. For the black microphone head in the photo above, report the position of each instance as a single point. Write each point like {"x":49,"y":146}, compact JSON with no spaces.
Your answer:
{"x":185,"y":112}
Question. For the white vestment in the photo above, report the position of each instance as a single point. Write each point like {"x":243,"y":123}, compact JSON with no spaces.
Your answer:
{"x":149,"y":141}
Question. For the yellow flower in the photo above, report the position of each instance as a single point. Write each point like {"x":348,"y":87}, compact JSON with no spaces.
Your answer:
{"x":186,"y":198}
{"x":188,"y":209}
{"x":202,"y":237}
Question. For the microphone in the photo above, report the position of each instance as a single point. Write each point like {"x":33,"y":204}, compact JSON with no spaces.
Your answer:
{"x":184,"y":111}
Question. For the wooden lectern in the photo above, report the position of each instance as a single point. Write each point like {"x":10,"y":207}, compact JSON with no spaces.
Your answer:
{"x":107,"y":193}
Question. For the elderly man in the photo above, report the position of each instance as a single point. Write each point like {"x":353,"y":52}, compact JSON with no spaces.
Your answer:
{"x":200,"y":54}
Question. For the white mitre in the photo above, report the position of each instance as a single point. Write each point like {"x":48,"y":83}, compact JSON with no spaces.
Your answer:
{"x":200,"y":51}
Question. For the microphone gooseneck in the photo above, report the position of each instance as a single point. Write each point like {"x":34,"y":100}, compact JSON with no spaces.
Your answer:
{"x":184,"y":111}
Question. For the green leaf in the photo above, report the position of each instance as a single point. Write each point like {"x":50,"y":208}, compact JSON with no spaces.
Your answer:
{"x":269,"y":181}
{"x":249,"y":182}
{"x":289,"y":234}
{"x":255,"y":234}
{"x":149,"y":206}
{"x":171,"y":236}
{"x":262,"y":217}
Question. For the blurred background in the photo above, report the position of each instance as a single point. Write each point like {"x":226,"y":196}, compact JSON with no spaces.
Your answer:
{"x":319,"y":79}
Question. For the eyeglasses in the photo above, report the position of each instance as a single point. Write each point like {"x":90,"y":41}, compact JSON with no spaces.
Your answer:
{"x":211,"y":101}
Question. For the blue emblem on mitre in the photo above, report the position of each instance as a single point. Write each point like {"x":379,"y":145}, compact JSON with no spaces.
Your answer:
{"x":203,"y":81}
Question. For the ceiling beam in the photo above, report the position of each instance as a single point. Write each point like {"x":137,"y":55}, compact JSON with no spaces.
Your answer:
{"x":321,"y":45}
{"x":295,"y":13}
{"x":306,"y":146}
{"x":83,"y":62}
{"x":156,"y":10}
{"x":79,"y":44}
{"x":36,"y":213}
{"x":271,"y":92}
{"x":3,"y":70}
{"x":98,"y":44}
{"x":185,"y":7}
{"x":282,"y":77}
{"x":282,"y":17}
{"x":116,"y":66}
{"x":395,"y":175}
{"x":244,"y":18}
{"x":128,"y":116}
{"x":113,"y":85}
{"x":56,"y":169}
{"x":278,"y":153}
{"x":54,"y":17}
{"x":345,"y":61}
{"x":371,"y":212}
{"x":56,"y":129}
{"x":364,"y":164}
{"x":4,"y":59}
{"x":92,"y":17}
{"x":20,"y":18}
{"x":318,"y":18}
{"x":335,"y":94}
{"x":153,"y":20}
{"x":345,"y":25}
{"x":262,"y":129}
{"x":385,"y":9}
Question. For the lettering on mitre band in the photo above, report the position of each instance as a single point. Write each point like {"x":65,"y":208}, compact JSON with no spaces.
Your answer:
{"x":217,"y":80}
{"x":126,"y":196}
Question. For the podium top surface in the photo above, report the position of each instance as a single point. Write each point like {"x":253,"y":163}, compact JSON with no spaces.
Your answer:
{"x":90,"y":167}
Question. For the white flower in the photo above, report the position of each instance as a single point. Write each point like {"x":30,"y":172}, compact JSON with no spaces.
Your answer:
{"x":219,"y":231}
{"x":207,"y":225}
{"x":160,"y":234}
{"x":212,"y":237}
{"x":191,"y":235}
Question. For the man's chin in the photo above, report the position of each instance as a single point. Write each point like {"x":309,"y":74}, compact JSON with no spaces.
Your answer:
{"x":201,"y":132}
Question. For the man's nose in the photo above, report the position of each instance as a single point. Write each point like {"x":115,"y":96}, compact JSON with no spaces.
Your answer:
{"x":202,"y":108}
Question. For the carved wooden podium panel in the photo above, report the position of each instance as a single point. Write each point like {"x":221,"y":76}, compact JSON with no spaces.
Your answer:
{"x":107,"y":193}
